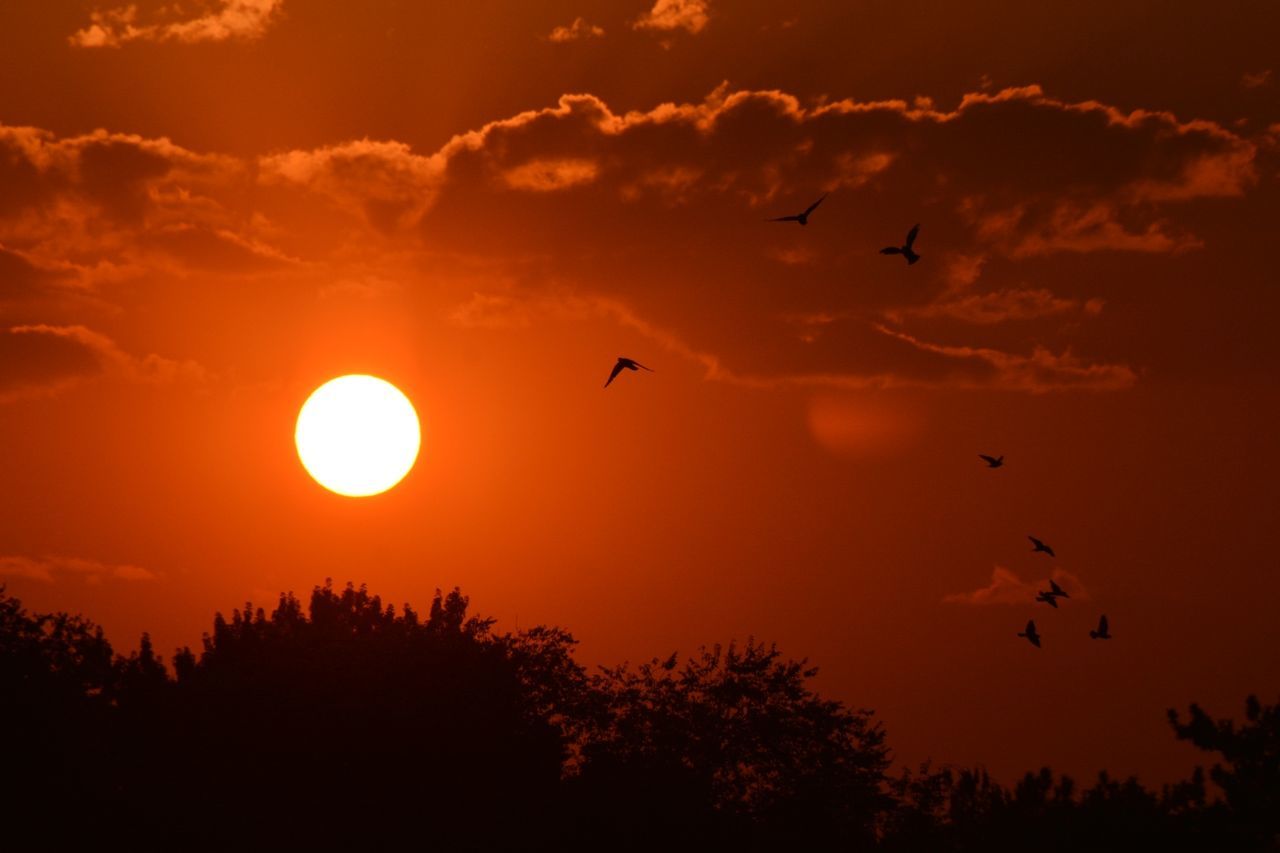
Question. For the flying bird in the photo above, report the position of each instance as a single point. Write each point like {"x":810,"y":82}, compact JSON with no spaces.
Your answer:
{"x":628,"y":364}
{"x":1048,"y":598}
{"x":1104,"y":630}
{"x":1030,"y":633}
{"x":1040,"y":546}
{"x":1054,"y":589}
{"x":992,"y":461}
{"x":905,"y":249}
{"x":802,"y":218}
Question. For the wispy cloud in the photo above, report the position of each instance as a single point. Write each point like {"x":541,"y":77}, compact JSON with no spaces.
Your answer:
{"x":491,"y":311}
{"x":999,"y":306}
{"x":1007,"y":588}
{"x":230,"y":19}
{"x":1039,"y":372}
{"x":1255,"y":79}
{"x":1069,"y":227}
{"x":50,"y":569}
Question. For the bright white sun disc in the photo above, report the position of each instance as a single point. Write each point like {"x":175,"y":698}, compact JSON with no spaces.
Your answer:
{"x":357,"y":435}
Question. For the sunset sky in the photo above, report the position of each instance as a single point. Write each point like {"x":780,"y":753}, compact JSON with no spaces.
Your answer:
{"x":207,"y":209}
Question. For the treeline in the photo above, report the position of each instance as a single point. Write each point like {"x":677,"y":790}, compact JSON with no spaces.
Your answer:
{"x":352,"y":725}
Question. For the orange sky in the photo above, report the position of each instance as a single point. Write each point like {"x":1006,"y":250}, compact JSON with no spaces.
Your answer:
{"x":206,"y":210}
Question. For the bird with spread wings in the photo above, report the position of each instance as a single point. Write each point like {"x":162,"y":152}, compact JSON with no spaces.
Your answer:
{"x":802,"y":218}
{"x":625,"y":364}
{"x":907,"y":249}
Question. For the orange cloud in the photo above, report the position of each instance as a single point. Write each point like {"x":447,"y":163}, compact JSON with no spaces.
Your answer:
{"x":978,"y":368}
{"x":21,"y":279}
{"x":50,"y":568}
{"x":671,"y":183}
{"x":1036,"y":373}
{"x":999,"y":306}
{"x":41,"y":359}
{"x":668,"y":15}
{"x":384,"y":181}
{"x":1007,"y":588}
{"x":1068,"y":227}
{"x":230,"y":19}
{"x":491,"y":311}
{"x":579,"y":30}
{"x":93,"y":205}
{"x":1255,"y":79}
{"x":549,"y":175}
{"x":747,"y":144}
{"x":1072,"y":177}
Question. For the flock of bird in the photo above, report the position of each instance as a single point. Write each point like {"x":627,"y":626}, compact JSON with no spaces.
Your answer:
{"x":908,"y":252}
{"x":1054,"y":592}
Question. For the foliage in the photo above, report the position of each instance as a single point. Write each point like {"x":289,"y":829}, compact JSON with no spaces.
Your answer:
{"x":734,"y":740}
{"x":1250,"y":776}
{"x":349,"y":724}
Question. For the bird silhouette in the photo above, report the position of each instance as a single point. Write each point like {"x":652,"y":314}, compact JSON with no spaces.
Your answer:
{"x":1104,"y":630}
{"x":802,"y":218}
{"x":1048,"y":598}
{"x":1054,"y":589}
{"x":628,"y":364}
{"x":1040,"y":546}
{"x":992,"y":461}
{"x":1030,"y":633}
{"x":906,"y":248}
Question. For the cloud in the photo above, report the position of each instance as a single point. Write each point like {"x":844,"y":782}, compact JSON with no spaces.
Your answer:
{"x":385,"y":182}
{"x":1007,"y":588}
{"x":999,"y":306}
{"x":669,"y":15}
{"x":978,"y":368}
{"x":22,"y":280}
{"x":1109,"y":167}
{"x":668,"y":194}
{"x":37,"y":360}
{"x":243,"y":20}
{"x":793,"y":255}
{"x":50,"y":569}
{"x":549,"y":175}
{"x":1255,"y":79}
{"x":491,"y":311}
{"x":1037,"y":373}
{"x":92,"y":205}
{"x":1083,"y":176}
{"x":579,"y":30}
{"x":1068,"y":227}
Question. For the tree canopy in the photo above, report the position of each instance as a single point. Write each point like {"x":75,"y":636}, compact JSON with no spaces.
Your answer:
{"x":349,"y":723}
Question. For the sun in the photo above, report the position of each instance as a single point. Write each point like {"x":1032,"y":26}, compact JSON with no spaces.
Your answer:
{"x":357,"y":435}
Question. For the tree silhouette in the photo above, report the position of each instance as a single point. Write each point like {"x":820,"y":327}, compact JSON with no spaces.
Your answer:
{"x":57,"y":683}
{"x":735,"y":745}
{"x":349,"y":724}
{"x":399,"y":721}
{"x":1250,"y":778}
